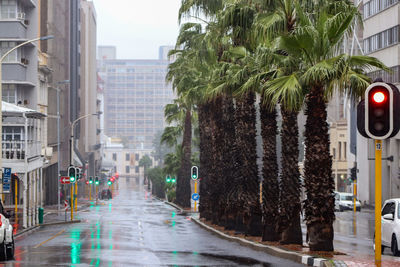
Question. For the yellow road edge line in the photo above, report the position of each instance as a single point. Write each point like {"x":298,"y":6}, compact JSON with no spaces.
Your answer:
{"x":51,"y":238}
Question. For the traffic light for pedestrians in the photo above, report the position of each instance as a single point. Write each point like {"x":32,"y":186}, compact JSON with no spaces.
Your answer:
{"x":72,"y":174}
{"x":90,"y":180}
{"x":195,"y":172}
{"x":96,"y":180}
{"x":379,"y":116}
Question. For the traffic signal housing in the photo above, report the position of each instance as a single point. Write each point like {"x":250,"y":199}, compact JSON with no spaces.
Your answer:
{"x":168,"y":179}
{"x":353,"y":174}
{"x":381,"y":111}
{"x":72,"y":174}
{"x":90,"y":180}
{"x":96,"y":180}
{"x":195,"y":172}
{"x":109,"y":182}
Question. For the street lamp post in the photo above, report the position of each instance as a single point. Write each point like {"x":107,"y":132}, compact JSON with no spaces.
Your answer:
{"x":48,"y":37}
{"x":72,"y":150}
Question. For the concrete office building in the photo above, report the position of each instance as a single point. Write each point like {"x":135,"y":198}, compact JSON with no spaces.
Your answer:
{"x":380,"y":40}
{"x":135,"y":96}
{"x":88,"y":140}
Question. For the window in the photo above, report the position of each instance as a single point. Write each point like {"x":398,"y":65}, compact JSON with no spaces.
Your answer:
{"x":345,"y":150}
{"x":14,"y":56}
{"x":114,"y":156}
{"x":334,"y":153}
{"x":137,"y":169}
{"x":381,"y":40}
{"x":8,"y":9}
{"x":137,"y":157}
{"x":127,"y":158}
{"x":340,"y":150}
{"x":375,"y":6}
{"x":127,"y":169}
{"x":9,"y":93}
{"x":389,"y":208}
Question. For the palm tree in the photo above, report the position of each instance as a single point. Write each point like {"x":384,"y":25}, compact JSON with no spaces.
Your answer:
{"x":316,"y":42}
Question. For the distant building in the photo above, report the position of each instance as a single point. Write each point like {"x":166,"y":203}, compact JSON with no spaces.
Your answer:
{"x":135,"y":94}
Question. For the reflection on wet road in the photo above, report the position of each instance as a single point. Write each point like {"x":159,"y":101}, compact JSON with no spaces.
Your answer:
{"x":133,"y":230}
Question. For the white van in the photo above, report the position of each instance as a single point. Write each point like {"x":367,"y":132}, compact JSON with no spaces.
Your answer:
{"x":344,"y":201}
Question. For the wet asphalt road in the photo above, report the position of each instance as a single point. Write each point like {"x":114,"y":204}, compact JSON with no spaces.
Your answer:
{"x":133,"y":230}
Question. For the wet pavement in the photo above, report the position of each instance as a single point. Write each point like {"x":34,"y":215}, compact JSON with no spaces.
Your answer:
{"x":133,"y":230}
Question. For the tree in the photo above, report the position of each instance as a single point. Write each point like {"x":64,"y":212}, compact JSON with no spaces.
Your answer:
{"x":316,"y":42}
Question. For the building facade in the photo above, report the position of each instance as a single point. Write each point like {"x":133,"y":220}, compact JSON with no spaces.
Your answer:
{"x":380,"y":40}
{"x":135,"y":94}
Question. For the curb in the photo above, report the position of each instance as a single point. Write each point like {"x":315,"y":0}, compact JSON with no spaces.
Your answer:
{"x":61,"y":222}
{"x":274,"y":251}
{"x":26,"y":230}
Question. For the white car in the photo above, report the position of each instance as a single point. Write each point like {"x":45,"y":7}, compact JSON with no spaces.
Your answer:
{"x":391,"y":226}
{"x":6,"y":239}
{"x":345,"y":201}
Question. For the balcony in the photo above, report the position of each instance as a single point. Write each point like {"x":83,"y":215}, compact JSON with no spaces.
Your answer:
{"x":15,"y":150}
{"x":13,"y":29}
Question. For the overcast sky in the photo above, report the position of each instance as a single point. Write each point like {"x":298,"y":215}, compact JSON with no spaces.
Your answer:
{"x":137,"y":27}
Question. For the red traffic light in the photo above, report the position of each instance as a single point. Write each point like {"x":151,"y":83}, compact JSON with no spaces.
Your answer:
{"x":112,"y":179}
{"x":379,"y":97}
{"x":87,"y":182}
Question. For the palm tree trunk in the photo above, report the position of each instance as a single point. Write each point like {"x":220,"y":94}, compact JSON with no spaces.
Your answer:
{"x":183,"y":189}
{"x":246,"y":133}
{"x":319,"y":183}
{"x":290,"y":206}
{"x":229,"y":159}
{"x":270,"y":186}
{"x":206,"y":144}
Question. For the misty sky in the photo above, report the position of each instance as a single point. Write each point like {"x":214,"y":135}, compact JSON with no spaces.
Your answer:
{"x":137,"y":27}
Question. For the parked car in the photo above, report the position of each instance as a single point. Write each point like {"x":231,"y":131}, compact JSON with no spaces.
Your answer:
{"x":345,"y":201}
{"x":390,"y":226}
{"x":6,"y":236}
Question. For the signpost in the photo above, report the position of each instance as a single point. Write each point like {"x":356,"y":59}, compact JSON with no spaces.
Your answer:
{"x":66,"y":208}
{"x":7,"y":180}
{"x":195,"y":176}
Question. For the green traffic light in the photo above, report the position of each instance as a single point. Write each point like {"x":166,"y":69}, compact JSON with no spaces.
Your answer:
{"x":72,"y":179}
{"x":90,"y":182}
{"x":173,"y":180}
{"x":109,"y":183}
{"x":168,"y":180}
{"x":97,"y":182}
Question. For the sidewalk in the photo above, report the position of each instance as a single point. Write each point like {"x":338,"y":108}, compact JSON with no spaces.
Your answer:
{"x":297,"y":253}
{"x":51,"y":216}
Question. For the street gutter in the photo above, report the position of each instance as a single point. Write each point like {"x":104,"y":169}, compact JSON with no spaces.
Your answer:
{"x":274,"y":251}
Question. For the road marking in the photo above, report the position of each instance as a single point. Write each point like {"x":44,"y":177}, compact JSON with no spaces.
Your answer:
{"x":20,"y":253}
{"x":51,"y":238}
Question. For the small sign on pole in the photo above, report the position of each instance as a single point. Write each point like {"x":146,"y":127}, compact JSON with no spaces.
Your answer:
{"x":7,"y":180}
{"x":65,"y":180}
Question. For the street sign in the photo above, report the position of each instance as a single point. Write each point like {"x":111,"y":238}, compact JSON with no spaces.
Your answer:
{"x":195,"y":196}
{"x":65,"y":180}
{"x":7,"y":180}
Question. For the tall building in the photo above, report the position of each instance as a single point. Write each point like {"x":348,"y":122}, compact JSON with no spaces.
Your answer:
{"x":380,"y":40}
{"x":88,"y":137}
{"x":54,"y":20}
{"x":135,"y":96}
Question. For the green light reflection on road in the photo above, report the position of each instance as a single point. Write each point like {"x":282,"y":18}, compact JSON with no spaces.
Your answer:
{"x":76,"y":246}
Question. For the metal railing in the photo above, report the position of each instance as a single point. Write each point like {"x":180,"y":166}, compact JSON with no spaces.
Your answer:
{"x":16,"y":149}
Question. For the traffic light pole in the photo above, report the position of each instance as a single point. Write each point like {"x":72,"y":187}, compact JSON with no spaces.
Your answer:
{"x":378,"y":201}
{"x":71,"y":201}
{"x":76,"y":195}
